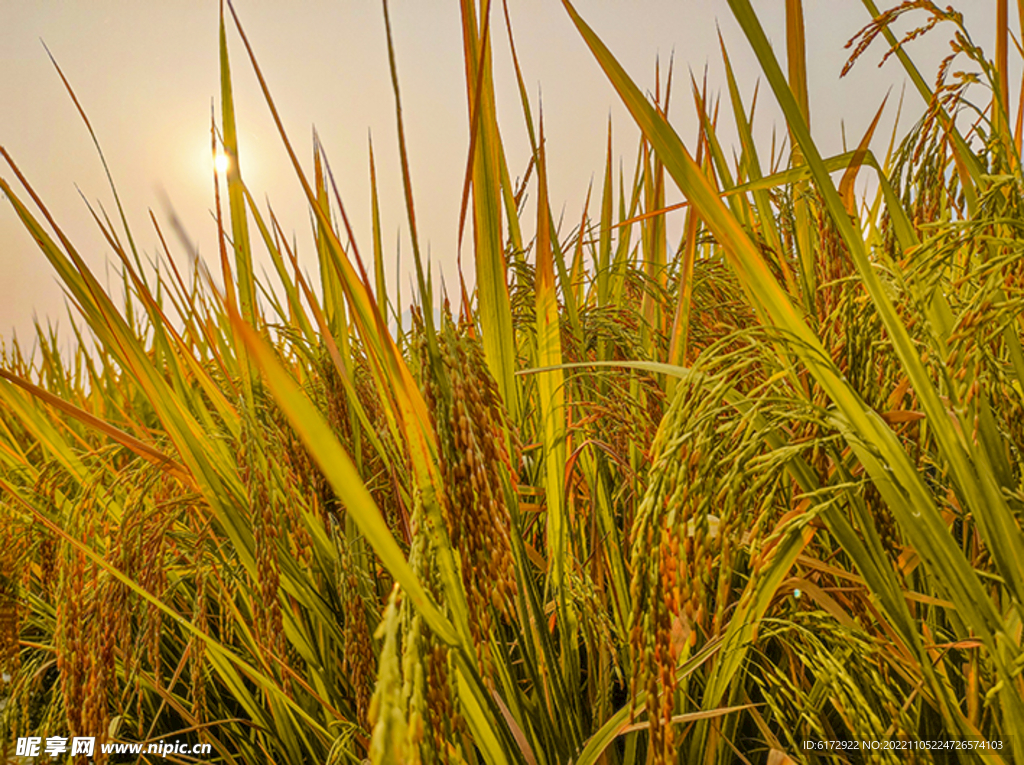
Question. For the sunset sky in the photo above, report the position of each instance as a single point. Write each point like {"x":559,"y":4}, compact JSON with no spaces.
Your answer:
{"x":146,"y":74}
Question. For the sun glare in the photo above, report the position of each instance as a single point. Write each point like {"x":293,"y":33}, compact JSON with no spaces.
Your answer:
{"x":221,"y":162}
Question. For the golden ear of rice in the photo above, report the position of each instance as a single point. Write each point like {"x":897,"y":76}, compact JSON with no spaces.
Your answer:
{"x":479,"y":452}
{"x":358,"y":661}
{"x":14,"y":541}
{"x":8,"y":622}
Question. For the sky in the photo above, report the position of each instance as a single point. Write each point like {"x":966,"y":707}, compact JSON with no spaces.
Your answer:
{"x":147,"y":73}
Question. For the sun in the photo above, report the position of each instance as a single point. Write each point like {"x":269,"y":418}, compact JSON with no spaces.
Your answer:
{"x":221,"y":162}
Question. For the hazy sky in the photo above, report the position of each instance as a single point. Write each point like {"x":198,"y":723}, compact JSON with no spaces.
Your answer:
{"x":146,"y":73}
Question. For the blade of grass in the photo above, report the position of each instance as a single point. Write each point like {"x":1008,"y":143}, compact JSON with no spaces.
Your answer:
{"x":493,"y":299}
{"x":236,"y":197}
{"x":551,"y":420}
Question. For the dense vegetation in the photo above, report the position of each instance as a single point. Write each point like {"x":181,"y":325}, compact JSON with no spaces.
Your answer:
{"x":637,"y":501}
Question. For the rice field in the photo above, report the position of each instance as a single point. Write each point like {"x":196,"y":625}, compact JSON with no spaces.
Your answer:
{"x":725,"y":498}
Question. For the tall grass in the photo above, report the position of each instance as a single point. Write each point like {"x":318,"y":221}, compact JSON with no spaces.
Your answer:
{"x":639,"y":501}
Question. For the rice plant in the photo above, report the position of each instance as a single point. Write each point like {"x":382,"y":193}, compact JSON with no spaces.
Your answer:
{"x":632,"y":501}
